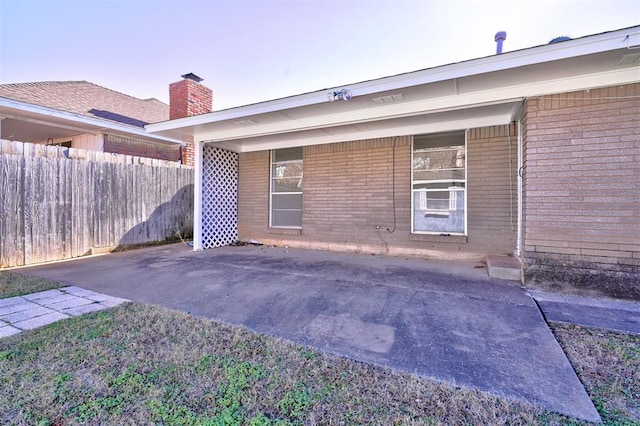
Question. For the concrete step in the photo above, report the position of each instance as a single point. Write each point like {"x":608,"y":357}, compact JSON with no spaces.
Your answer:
{"x":504,"y":267}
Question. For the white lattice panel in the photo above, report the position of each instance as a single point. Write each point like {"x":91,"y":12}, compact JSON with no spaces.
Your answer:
{"x":219,"y":197}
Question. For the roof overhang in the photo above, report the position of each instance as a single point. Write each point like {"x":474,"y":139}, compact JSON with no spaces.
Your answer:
{"x":476,"y":93}
{"x":32,"y":123}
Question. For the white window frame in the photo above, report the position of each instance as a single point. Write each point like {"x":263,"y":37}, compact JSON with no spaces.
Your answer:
{"x":271,"y":193}
{"x":452,"y":189}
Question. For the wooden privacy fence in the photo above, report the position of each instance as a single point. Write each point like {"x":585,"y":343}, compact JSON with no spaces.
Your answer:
{"x":58,"y":203}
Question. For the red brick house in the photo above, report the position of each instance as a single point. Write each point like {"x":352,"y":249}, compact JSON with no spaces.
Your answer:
{"x":532,"y":153}
{"x":80,"y":114}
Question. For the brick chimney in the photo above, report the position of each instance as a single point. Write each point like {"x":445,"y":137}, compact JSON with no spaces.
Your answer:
{"x":188,"y":97}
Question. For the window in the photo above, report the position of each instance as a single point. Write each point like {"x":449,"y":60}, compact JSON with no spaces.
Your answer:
{"x":438,"y":183}
{"x":286,"y":188}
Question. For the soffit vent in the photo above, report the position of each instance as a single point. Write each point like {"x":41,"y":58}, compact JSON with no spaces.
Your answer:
{"x":245,"y":122}
{"x":389,"y":98}
{"x":631,"y":58}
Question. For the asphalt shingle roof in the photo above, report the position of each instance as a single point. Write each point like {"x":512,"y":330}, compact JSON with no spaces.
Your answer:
{"x":85,"y":98}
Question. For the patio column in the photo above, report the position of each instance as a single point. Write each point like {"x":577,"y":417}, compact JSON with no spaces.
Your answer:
{"x":197,"y":198}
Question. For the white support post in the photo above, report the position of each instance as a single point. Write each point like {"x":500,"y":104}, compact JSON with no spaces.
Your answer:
{"x":197,"y":198}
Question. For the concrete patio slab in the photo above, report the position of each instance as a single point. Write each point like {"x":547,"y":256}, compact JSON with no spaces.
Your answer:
{"x":81,"y":292}
{"x":6,"y":330}
{"x":26,"y":314}
{"x":16,"y":305}
{"x":38,"y":309}
{"x":66,"y":303}
{"x":47,"y":294}
{"x":39,"y":321}
{"x":85,"y":309}
{"x":446,"y":321}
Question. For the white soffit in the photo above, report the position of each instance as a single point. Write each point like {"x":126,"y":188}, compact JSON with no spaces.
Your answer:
{"x":553,"y":57}
{"x":487,"y":115}
{"x":57,"y":119}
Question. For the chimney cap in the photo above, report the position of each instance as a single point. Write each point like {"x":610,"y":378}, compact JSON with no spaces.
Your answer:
{"x":192,"y":76}
{"x":500,"y":35}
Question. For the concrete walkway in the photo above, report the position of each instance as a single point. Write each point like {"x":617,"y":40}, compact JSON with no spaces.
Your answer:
{"x":446,"y":321}
{"x":45,"y":307}
{"x":607,"y":314}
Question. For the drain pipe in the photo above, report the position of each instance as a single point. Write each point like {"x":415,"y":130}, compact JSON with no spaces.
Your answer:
{"x":519,"y":233}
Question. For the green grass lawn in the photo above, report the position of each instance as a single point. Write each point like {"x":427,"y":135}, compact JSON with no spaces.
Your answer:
{"x":143,"y":364}
{"x":15,"y":284}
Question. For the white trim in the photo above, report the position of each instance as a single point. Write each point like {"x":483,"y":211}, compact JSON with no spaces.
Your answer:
{"x":393,"y":111}
{"x":530,"y":56}
{"x":93,"y":125}
{"x":423,"y":181}
{"x":197,"y":198}
{"x":465,"y":189}
{"x":271,"y":193}
{"x":304,"y":139}
{"x":497,"y":96}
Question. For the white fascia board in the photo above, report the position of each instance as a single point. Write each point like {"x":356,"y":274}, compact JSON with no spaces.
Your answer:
{"x":428,"y":106}
{"x":519,"y":58}
{"x":354,"y":117}
{"x":567,"y":49}
{"x":91,"y":125}
{"x":442,"y":126}
{"x":240,"y":112}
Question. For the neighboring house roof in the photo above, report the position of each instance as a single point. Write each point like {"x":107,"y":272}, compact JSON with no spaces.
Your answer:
{"x":475,"y":93}
{"x":88,"y":99}
{"x":40,"y":111}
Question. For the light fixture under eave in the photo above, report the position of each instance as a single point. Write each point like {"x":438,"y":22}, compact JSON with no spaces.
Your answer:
{"x":343,"y":94}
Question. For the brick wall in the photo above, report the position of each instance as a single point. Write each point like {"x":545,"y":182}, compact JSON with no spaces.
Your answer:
{"x":492,"y":187}
{"x":189,"y":154}
{"x":253,"y":194}
{"x":128,"y":146}
{"x":348,"y":191}
{"x":188,"y":97}
{"x":582,"y":191}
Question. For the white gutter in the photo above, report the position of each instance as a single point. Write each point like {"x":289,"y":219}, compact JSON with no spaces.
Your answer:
{"x":496,"y":96}
{"x":77,"y":119}
{"x":534,"y":55}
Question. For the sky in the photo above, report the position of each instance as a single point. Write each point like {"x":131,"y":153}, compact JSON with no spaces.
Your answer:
{"x":253,"y":51}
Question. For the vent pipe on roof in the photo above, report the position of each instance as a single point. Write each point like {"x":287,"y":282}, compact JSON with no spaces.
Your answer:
{"x":499,"y":38}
